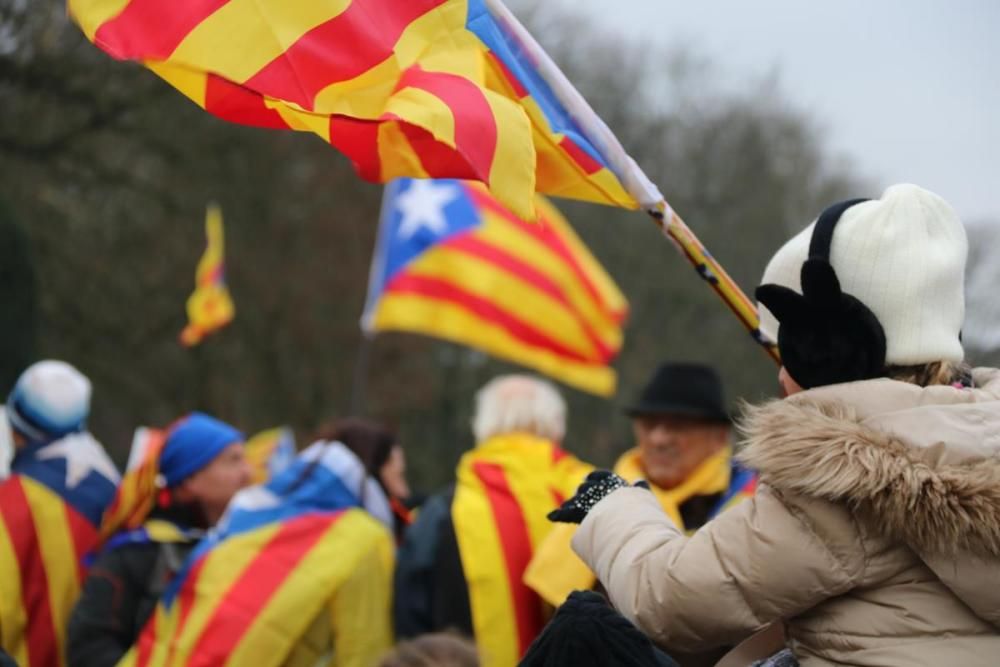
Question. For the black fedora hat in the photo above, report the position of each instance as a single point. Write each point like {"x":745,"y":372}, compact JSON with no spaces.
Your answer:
{"x":682,"y":389}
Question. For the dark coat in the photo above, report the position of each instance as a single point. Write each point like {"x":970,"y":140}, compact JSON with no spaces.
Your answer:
{"x":118,"y":597}
{"x":430,"y":592}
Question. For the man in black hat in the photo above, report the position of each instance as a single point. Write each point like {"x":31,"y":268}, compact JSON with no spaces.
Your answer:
{"x":682,"y":434}
{"x":682,"y":452}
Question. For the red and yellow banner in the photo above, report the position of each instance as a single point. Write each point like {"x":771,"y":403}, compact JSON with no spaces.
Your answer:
{"x":420,"y":88}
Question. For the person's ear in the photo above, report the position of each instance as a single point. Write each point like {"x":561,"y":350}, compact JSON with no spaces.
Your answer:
{"x":182,"y":493}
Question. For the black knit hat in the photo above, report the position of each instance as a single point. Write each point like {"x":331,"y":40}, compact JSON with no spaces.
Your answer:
{"x":587,"y":631}
{"x":684,"y":390}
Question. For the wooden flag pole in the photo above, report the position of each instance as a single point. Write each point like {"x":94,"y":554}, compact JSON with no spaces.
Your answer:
{"x":712,"y":273}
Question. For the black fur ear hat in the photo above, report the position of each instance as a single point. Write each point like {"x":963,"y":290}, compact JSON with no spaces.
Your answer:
{"x":826,"y":336}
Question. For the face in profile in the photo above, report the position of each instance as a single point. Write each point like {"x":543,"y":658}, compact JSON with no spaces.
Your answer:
{"x":213,"y":486}
{"x":672,"y":447}
{"x":393,"y":474}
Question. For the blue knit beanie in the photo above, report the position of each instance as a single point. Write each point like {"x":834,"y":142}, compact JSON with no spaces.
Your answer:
{"x":192,"y":444}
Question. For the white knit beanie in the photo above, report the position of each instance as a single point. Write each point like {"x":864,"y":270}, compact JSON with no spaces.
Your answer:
{"x":903,"y":256}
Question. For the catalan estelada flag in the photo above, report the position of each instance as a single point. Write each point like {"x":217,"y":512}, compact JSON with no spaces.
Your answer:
{"x":270,"y":452}
{"x":136,"y":494}
{"x":209,"y":308}
{"x":453,"y":263}
{"x":504,"y":489}
{"x":297,"y":567}
{"x":50,"y":508}
{"x":420,"y":88}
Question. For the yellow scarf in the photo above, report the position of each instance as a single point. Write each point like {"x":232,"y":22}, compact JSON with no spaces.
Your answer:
{"x":555,"y":571}
{"x":711,"y":477}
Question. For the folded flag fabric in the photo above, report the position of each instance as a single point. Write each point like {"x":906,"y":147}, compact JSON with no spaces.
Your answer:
{"x":420,"y":88}
{"x":453,"y":263}
{"x":136,"y":495}
{"x":270,"y":452}
{"x":252,"y":592}
{"x":50,"y":508}
{"x":209,"y":308}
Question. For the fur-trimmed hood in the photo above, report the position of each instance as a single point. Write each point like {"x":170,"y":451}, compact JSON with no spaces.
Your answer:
{"x":923,"y":462}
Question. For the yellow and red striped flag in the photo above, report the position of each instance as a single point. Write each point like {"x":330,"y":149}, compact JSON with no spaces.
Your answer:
{"x":420,"y":88}
{"x":49,"y":511}
{"x":209,"y":308}
{"x":136,"y":494}
{"x":453,"y":263}
{"x":296,"y":568}
{"x":504,"y":489}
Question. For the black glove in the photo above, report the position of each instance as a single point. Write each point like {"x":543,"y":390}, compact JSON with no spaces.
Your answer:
{"x":596,"y":486}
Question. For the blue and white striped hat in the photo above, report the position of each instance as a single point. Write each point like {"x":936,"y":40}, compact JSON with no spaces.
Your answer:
{"x":50,"y":400}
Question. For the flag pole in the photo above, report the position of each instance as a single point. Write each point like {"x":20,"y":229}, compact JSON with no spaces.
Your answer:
{"x":674,"y":228}
{"x":633,"y":179}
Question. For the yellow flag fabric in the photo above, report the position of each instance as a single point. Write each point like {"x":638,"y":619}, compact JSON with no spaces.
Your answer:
{"x":505,"y":488}
{"x":209,"y":308}
{"x":555,"y":571}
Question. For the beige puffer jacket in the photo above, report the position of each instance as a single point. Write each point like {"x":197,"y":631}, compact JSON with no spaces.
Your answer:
{"x":874,"y":535}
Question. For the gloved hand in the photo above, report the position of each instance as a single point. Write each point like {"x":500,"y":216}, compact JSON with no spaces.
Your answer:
{"x":596,"y":486}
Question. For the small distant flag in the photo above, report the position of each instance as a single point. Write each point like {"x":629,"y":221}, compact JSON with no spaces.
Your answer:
{"x":270,"y":452}
{"x":453,"y":263}
{"x":209,"y":308}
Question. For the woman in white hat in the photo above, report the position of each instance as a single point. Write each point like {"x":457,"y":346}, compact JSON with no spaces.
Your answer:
{"x":874,"y":536}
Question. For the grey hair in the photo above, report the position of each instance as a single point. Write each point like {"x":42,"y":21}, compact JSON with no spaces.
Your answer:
{"x":519,"y":403}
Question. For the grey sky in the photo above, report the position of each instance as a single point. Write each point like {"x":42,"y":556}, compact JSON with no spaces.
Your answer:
{"x":909,"y":89}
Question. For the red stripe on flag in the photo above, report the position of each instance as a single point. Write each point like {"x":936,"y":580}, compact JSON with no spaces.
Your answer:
{"x":185,"y":598}
{"x":580,"y":156}
{"x":475,"y":124}
{"x":486,"y":310}
{"x":516,"y":543}
{"x":544,"y":233}
{"x":346,"y":46}
{"x":358,"y":140}
{"x":147,"y":640}
{"x":255,"y":586}
{"x":471,"y":245}
{"x":84,"y":536}
{"x":509,"y":75}
{"x":237,"y":104}
{"x":437,"y":159}
{"x":15,"y":511}
{"x":152,"y":29}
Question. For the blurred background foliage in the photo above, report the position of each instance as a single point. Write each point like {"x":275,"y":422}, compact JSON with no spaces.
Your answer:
{"x":106,"y":172}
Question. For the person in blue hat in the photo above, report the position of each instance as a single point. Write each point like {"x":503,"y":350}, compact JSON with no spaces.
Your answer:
{"x":200,"y":467}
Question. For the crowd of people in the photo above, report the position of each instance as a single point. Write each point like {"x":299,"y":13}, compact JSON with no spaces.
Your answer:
{"x":856,"y":522}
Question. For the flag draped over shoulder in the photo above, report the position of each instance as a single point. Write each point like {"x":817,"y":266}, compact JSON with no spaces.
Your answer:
{"x":453,"y":263}
{"x":505,"y":487}
{"x":294,"y":566}
{"x":50,"y":508}
{"x":420,"y":88}
{"x":209,"y":308}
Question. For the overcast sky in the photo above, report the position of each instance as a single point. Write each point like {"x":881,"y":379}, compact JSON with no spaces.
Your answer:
{"x":909,"y":89}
